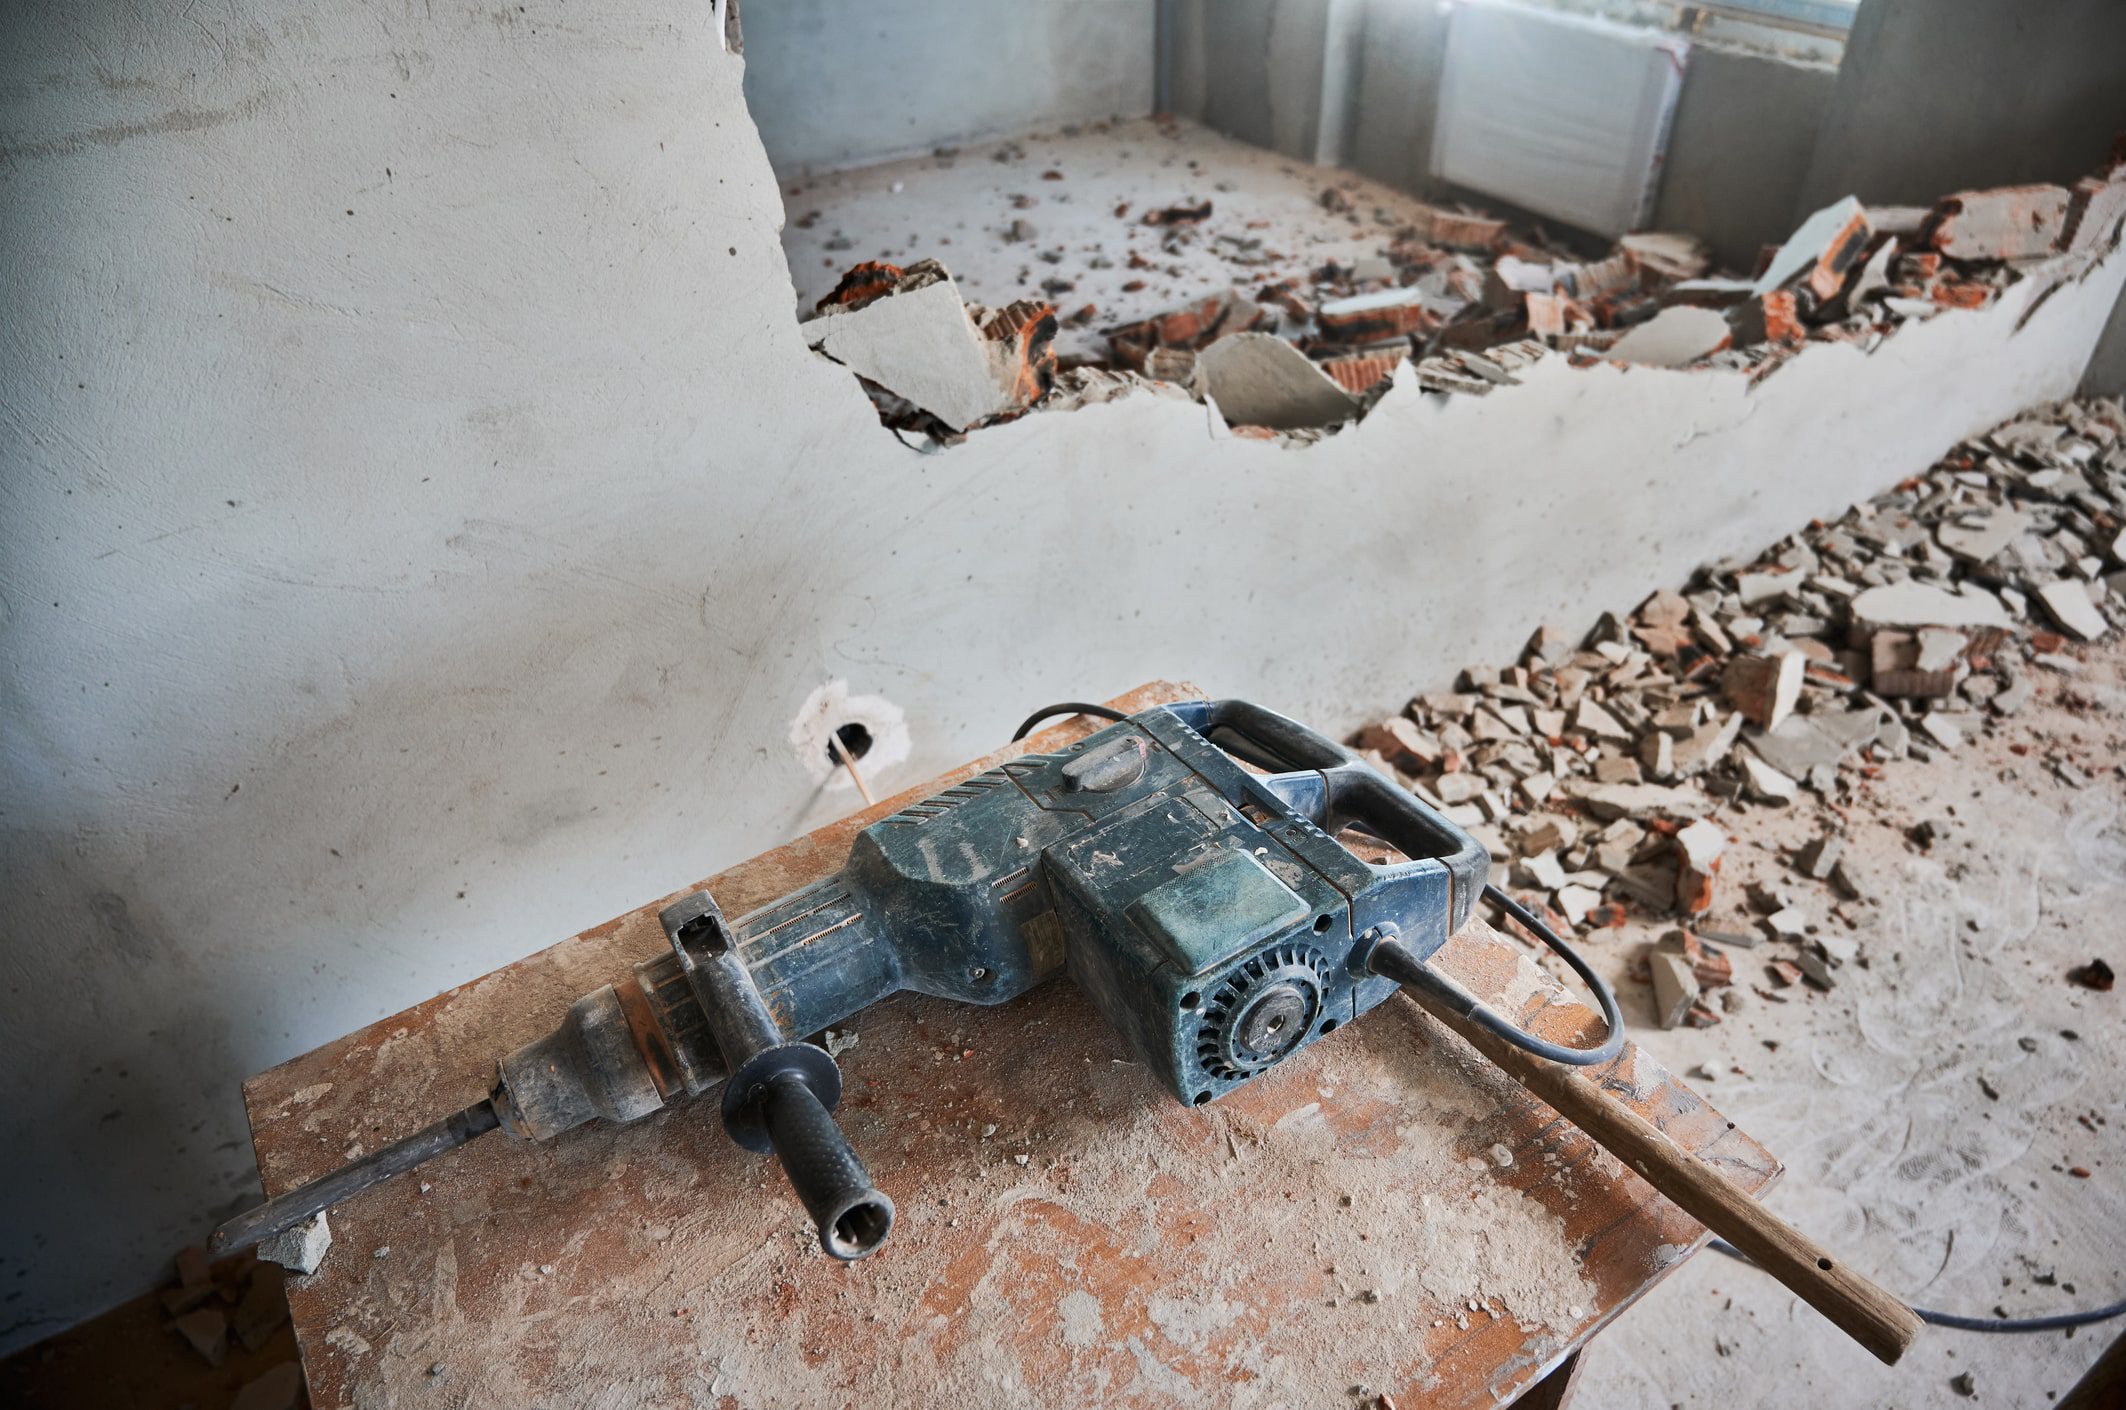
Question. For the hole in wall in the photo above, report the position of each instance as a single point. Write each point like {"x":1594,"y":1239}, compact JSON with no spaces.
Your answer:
{"x":871,"y":727}
{"x":855,"y":741}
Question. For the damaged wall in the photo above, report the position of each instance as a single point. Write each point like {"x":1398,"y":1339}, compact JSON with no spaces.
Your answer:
{"x":842,"y":82}
{"x":385,"y":595}
{"x":1941,"y":95}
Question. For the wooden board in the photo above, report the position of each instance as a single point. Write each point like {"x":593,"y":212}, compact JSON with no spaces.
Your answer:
{"x":1383,"y":1210}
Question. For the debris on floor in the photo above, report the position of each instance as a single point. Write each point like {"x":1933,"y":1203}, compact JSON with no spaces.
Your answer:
{"x":1597,"y":772}
{"x":1459,"y":294}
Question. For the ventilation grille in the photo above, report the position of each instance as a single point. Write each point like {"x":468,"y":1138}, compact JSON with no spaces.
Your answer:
{"x":936,"y":806}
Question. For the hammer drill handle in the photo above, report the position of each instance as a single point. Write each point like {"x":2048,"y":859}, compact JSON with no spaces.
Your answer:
{"x":1863,"y":1311}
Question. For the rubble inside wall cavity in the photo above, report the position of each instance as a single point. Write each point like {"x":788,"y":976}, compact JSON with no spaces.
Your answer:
{"x":1462,"y":296}
{"x":1600,"y":772}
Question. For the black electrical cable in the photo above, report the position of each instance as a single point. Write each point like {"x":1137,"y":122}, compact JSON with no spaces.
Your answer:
{"x":1388,"y":957}
{"x":1572,"y":1057}
{"x":2057,"y":1322}
{"x":1067,"y":707}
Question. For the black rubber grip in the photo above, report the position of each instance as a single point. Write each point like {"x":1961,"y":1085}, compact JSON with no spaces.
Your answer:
{"x":853,"y":1215}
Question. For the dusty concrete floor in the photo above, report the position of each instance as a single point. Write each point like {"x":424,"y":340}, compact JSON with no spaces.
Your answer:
{"x":1267,"y":220}
{"x":1879,"y":1094}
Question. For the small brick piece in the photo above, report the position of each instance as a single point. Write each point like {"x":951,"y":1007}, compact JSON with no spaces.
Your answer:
{"x":1765,"y":688}
{"x":864,"y":283}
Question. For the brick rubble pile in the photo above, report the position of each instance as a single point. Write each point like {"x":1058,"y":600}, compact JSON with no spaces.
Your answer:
{"x":1596,"y":770}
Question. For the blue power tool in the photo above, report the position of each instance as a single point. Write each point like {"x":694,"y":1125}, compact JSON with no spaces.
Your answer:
{"x":1210,"y":912}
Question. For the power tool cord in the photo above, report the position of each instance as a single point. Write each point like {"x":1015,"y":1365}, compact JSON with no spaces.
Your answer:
{"x":2061,"y":1321}
{"x":1067,"y":707}
{"x":1612,"y":1019}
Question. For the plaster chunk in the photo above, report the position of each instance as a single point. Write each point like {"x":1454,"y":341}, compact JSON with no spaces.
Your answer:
{"x":1259,"y":379}
{"x":1673,"y":337}
{"x":1908,"y":606}
{"x":918,"y":344}
{"x":2068,"y":602}
{"x":302,"y":1248}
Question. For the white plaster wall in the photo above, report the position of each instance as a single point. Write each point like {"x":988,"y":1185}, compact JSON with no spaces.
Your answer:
{"x":841,"y":82}
{"x":386,"y":595}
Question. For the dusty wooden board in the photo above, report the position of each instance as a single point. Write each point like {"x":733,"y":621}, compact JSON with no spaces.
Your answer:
{"x":1066,"y":1231}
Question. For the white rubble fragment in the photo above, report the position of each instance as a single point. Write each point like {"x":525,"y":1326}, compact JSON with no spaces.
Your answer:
{"x":1701,"y":845}
{"x":1674,"y":337}
{"x":2071,"y":607}
{"x":1675,"y":987}
{"x":302,"y":1248}
{"x":1260,"y":379}
{"x":1577,"y":901}
{"x":1908,"y":606}
{"x":1640,"y":800}
{"x":919,"y":344}
{"x":1808,"y":244}
{"x":1766,"y":784}
{"x":1592,"y":719}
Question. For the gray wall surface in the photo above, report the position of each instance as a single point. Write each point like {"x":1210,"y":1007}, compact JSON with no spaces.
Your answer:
{"x":1941,"y":95}
{"x":2106,"y":376}
{"x":1357,"y":83}
{"x":1401,"y":49}
{"x":843,"y":82}
{"x":1744,"y":134}
{"x":1277,"y":73}
{"x":386,"y":595}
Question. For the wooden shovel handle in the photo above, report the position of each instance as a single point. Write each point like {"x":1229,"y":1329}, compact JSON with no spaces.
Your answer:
{"x":1863,"y":1311}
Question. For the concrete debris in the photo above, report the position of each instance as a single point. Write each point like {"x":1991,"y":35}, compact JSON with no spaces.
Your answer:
{"x":1639,"y":800}
{"x":302,"y":1248}
{"x":1765,"y":688}
{"x":280,"y":1388}
{"x":1817,"y":256}
{"x":208,"y":1332}
{"x":1819,"y":858}
{"x":1908,"y":606}
{"x":1463,"y":297}
{"x":2070,"y":605}
{"x":1675,"y":988}
{"x":2095,"y":208}
{"x":1259,"y":379}
{"x":1674,"y":337}
{"x":1821,"y":740}
{"x":1668,"y":255}
{"x":1598,"y":764}
{"x":919,"y":341}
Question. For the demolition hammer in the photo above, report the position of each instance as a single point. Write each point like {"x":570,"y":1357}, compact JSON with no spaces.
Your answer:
{"x":1209,"y":911}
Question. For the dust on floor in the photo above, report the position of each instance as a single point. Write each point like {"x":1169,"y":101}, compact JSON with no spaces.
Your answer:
{"x":1935,"y":1110}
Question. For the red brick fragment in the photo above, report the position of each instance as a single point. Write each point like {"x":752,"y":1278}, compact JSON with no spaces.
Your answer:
{"x":873,"y":279}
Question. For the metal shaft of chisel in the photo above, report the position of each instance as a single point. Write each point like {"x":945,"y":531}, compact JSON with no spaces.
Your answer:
{"x":288,"y":1210}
